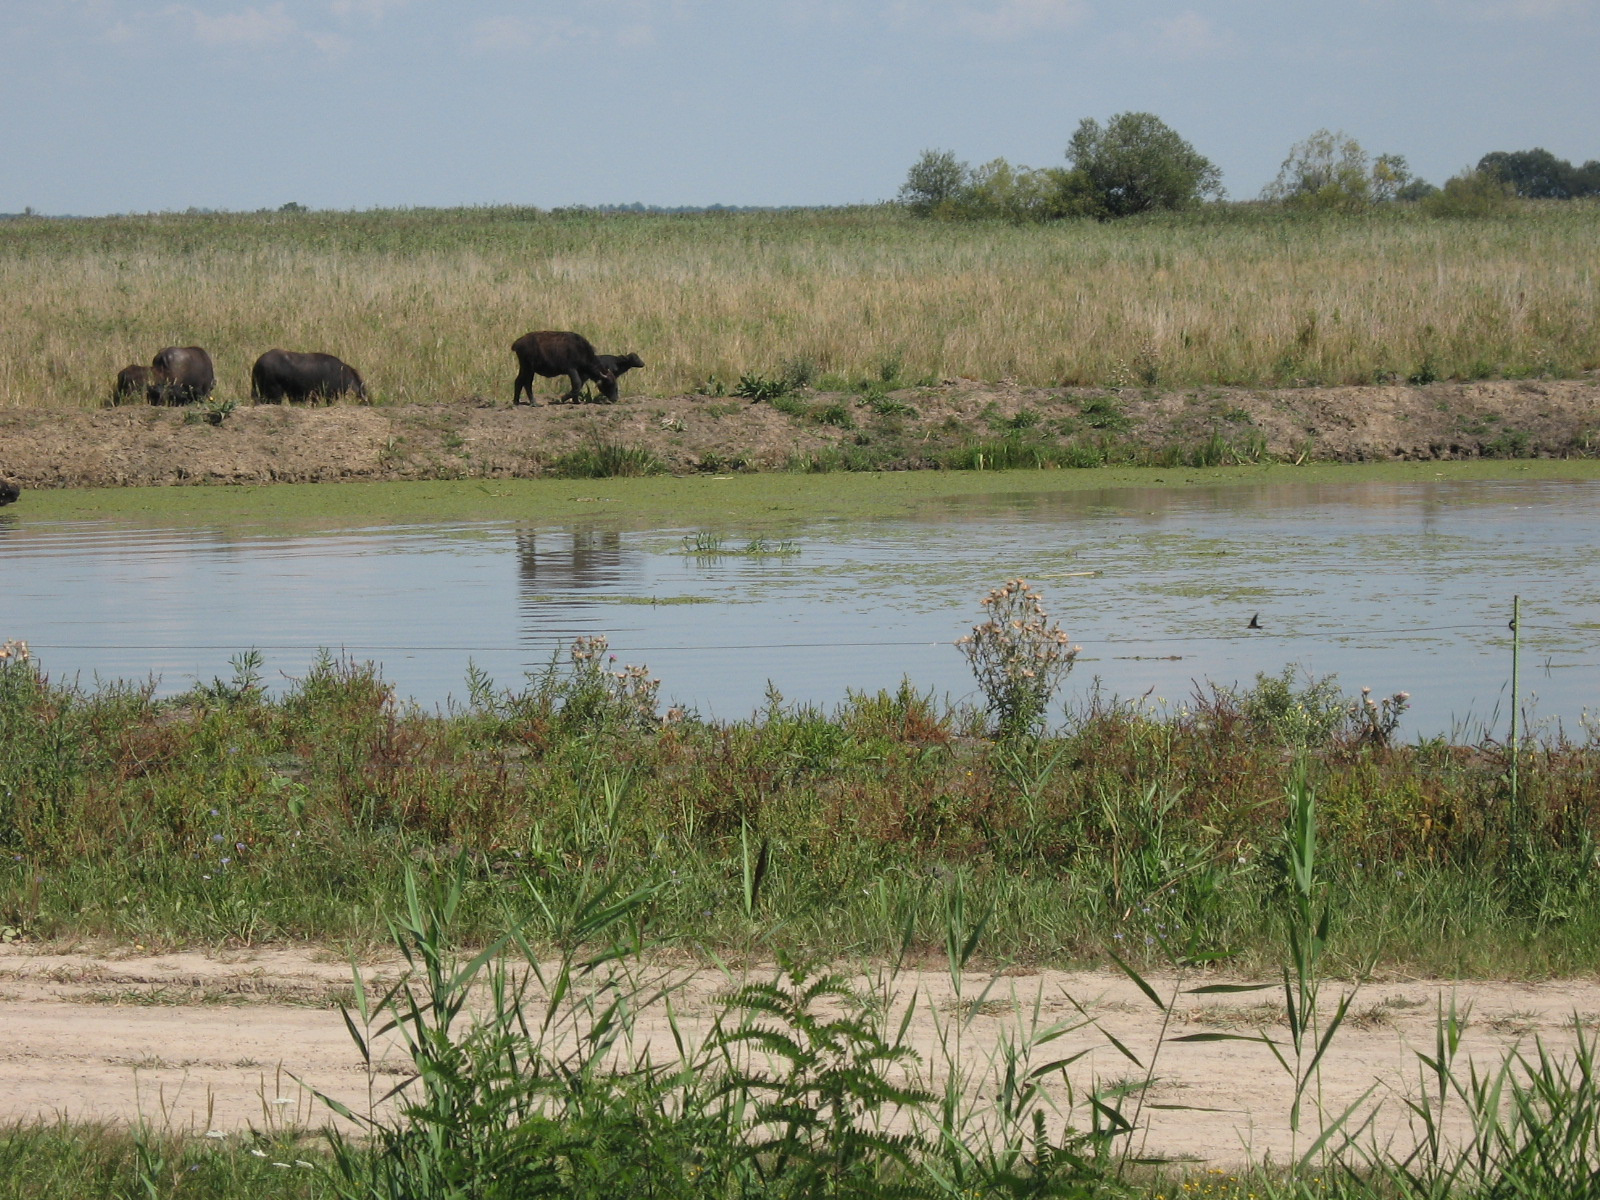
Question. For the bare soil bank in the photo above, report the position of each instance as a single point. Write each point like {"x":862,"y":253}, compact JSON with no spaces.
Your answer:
{"x":910,"y":428}
{"x":194,"y":1042}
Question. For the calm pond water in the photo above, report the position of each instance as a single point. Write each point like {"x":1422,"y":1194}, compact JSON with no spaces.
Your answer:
{"x":1391,"y":586}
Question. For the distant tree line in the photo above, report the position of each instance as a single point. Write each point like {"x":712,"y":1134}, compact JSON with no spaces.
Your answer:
{"x":1540,"y":175}
{"x":1135,"y":163}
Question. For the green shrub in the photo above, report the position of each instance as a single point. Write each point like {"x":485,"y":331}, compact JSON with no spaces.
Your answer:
{"x":1104,"y":412}
{"x":1509,"y":443}
{"x":1305,"y":716}
{"x":1470,"y":194}
{"x":754,"y":386}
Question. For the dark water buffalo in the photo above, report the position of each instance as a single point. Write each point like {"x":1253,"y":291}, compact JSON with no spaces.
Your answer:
{"x":181,"y":375}
{"x":550,"y":353}
{"x":617,"y":365}
{"x":132,"y":384}
{"x":9,"y":491}
{"x":288,"y":375}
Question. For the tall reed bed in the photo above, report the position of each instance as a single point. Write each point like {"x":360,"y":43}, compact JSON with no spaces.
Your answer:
{"x":427,"y":303}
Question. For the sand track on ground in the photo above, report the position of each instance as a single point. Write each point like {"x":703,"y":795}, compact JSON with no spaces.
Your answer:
{"x":193,"y":1042}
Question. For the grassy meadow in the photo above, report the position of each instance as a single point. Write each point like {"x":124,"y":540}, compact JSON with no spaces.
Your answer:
{"x":426,"y":303}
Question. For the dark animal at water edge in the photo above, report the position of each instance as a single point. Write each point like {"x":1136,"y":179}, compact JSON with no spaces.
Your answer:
{"x":133,"y":382}
{"x":551,"y":353}
{"x":290,"y":375}
{"x":181,"y":375}
{"x":9,"y":491}
{"x":618,"y":365}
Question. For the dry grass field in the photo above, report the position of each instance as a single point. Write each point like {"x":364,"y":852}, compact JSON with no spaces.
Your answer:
{"x":427,"y":303}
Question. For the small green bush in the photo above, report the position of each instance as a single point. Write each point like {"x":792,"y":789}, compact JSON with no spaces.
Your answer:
{"x":1103,"y":412}
{"x":1470,"y":194}
{"x":755,"y":386}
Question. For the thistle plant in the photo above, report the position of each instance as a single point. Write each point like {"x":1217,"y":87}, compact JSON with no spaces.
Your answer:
{"x":598,"y":689}
{"x":1019,"y":657}
{"x":1376,"y":720}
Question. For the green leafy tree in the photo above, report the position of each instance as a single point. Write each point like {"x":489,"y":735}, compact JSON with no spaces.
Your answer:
{"x":1135,"y":163}
{"x":1391,"y":175}
{"x":936,"y":180}
{"x":1328,"y":171}
{"x":1540,"y":175}
{"x":1023,"y":194}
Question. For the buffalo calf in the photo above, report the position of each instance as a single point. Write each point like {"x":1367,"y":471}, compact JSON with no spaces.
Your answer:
{"x":617,"y":365}
{"x":180,"y":375}
{"x":9,"y":491}
{"x":281,"y":375}
{"x":551,"y":353}
{"x":132,"y":384}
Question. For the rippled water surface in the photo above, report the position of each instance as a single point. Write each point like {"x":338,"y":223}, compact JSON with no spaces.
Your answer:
{"x":1392,"y":586}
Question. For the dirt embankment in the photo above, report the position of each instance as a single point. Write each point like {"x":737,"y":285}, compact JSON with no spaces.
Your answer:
{"x":907,"y":428}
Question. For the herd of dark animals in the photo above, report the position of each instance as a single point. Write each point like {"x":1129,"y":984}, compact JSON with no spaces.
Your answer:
{"x":185,"y":375}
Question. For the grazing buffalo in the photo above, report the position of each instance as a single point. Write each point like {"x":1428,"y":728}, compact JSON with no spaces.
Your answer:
{"x":181,"y":375}
{"x":617,"y":365}
{"x":9,"y":491}
{"x":550,"y":354}
{"x":288,"y":375}
{"x":132,"y":384}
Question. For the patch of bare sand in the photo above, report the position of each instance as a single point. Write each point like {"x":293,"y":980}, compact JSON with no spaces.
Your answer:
{"x":196,"y":1042}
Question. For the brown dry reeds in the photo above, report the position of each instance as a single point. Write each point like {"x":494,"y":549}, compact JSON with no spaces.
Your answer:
{"x":426,"y":304}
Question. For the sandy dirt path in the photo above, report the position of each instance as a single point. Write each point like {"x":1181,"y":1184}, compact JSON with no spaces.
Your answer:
{"x":195,"y":1042}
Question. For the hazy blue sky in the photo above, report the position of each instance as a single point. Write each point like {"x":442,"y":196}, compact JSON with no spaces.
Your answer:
{"x":133,"y":105}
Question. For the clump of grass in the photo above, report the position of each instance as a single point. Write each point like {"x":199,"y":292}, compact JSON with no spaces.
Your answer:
{"x":714,"y":545}
{"x":606,"y":460}
{"x":882,"y":404}
{"x":1010,"y":454}
{"x":760,"y":387}
{"x":212,"y":411}
{"x":62,"y":1158}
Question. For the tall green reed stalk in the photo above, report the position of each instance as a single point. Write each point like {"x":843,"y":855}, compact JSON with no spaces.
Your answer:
{"x":527,"y":1078}
{"x":1306,"y":918}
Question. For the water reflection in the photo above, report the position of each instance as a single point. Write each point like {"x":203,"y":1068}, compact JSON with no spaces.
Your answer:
{"x":1390,"y":586}
{"x":581,"y":559}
